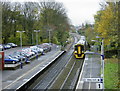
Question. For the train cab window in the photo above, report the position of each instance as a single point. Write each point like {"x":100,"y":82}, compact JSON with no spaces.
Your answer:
{"x":82,"y":48}
{"x":76,"y":48}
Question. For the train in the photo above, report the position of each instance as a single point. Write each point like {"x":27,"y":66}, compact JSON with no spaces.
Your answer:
{"x":80,"y":47}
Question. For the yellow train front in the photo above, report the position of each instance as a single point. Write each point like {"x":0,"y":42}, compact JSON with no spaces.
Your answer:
{"x":79,"y":51}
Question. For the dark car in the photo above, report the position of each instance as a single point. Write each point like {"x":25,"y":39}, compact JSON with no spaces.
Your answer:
{"x":9,"y":59}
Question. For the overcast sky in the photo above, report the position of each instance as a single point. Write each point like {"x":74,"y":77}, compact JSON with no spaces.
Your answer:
{"x":79,"y":11}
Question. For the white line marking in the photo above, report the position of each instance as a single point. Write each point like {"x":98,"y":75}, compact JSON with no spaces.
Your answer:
{"x":90,"y":74}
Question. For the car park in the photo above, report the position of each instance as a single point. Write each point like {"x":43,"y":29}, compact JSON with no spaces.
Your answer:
{"x":25,"y":53}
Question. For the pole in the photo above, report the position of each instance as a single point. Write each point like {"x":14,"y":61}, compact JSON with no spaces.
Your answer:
{"x":21,"y":39}
{"x":102,"y":59}
{"x":36,"y":37}
{"x":32,"y":37}
{"x":102,"y":47}
{"x":49,"y":36}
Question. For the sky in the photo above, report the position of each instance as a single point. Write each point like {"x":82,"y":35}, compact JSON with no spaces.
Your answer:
{"x":79,"y":11}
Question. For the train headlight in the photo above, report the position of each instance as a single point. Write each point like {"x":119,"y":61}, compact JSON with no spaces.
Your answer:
{"x":75,"y":51}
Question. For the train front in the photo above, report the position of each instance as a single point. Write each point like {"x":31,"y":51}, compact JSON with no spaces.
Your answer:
{"x":79,"y":51}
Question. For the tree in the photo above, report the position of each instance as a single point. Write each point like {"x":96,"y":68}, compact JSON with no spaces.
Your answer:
{"x":53,"y":17}
{"x":30,"y":16}
{"x":106,"y":23}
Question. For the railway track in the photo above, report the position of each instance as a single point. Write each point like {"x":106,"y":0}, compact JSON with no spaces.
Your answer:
{"x":68,"y":77}
{"x":62,"y":74}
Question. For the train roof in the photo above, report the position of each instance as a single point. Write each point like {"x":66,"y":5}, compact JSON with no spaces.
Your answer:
{"x":81,"y":42}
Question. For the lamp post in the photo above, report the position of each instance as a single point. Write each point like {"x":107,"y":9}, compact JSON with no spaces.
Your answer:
{"x":102,"y":57}
{"x":49,"y":36}
{"x":20,"y":37}
{"x":36,"y":36}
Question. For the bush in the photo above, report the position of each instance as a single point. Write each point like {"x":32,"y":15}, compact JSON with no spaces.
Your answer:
{"x":45,"y":40}
{"x":111,"y":54}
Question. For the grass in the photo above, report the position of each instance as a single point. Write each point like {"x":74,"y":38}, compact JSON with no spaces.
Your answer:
{"x":111,"y":74}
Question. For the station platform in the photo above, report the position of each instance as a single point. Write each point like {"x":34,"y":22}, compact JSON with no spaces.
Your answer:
{"x":90,"y":77}
{"x":12,"y":79}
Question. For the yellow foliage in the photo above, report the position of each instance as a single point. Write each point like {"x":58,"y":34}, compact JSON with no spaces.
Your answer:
{"x":105,"y":23}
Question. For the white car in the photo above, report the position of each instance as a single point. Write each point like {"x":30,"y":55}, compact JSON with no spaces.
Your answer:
{"x":1,"y":48}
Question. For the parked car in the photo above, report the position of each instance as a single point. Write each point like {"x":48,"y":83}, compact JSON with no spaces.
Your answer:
{"x":15,"y":56}
{"x":9,"y":59}
{"x":37,"y":49}
{"x":45,"y":46}
{"x":34,"y":50}
{"x":18,"y":54}
{"x":1,"y":47}
{"x":6,"y":46}
{"x":12,"y":45}
{"x":27,"y":52}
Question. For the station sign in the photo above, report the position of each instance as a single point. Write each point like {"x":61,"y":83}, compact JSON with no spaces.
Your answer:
{"x":93,"y":80}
